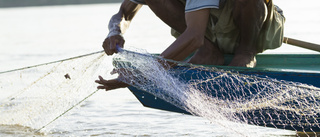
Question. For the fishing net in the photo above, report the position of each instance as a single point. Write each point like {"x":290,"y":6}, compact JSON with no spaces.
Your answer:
{"x":37,"y":95}
{"x":227,"y":98}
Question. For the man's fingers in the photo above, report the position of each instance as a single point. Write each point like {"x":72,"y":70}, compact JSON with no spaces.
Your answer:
{"x":110,"y":43}
{"x":105,"y":88}
{"x":97,"y":81}
{"x":107,"y":82}
{"x":101,"y":81}
{"x":100,"y":78}
{"x":101,"y":87}
{"x":111,"y":47}
{"x":105,"y":46}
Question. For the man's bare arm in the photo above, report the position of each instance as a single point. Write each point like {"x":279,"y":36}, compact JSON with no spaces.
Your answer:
{"x":118,"y":24}
{"x":192,"y":38}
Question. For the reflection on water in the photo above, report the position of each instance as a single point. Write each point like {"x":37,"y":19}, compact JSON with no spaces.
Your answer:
{"x":42,"y":34}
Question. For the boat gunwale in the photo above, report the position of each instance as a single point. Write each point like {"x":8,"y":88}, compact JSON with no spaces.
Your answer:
{"x":291,"y":64}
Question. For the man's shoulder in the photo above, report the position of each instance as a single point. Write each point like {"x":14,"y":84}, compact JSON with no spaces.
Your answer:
{"x":138,"y":1}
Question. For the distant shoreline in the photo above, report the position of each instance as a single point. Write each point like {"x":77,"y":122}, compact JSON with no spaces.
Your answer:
{"x":27,"y":3}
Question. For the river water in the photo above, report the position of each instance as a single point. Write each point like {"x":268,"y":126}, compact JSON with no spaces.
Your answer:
{"x":34,"y":35}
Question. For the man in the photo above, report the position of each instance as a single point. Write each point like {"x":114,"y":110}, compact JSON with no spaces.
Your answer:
{"x":209,"y":28}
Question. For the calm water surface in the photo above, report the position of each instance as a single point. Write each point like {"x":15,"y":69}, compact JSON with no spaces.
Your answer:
{"x":36,"y":35}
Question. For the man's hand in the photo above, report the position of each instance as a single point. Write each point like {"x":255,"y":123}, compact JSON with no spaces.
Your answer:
{"x":113,"y":83}
{"x":110,"y":43}
{"x":110,"y":84}
{"x":118,"y":24}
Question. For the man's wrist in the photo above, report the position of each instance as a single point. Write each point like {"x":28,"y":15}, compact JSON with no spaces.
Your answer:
{"x":114,"y":33}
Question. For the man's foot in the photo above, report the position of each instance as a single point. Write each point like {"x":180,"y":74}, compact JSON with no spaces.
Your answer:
{"x":244,"y":60}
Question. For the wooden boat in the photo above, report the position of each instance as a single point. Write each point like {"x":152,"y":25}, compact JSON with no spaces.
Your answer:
{"x":302,"y":68}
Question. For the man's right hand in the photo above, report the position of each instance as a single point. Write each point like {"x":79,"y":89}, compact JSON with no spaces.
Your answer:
{"x":110,"y":43}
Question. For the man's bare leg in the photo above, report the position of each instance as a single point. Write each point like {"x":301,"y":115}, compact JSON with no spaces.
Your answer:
{"x":249,"y":16}
{"x":172,"y":13}
{"x":208,"y":54}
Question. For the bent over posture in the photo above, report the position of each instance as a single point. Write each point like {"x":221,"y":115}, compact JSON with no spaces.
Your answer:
{"x":206,"y":28}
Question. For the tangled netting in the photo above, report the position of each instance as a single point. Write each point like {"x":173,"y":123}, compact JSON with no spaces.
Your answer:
{"x":224,"y":97}
{"x":34,"y":96}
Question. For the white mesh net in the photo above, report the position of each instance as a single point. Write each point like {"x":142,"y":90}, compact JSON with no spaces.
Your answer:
{"x":35,"y":96}
{"x":224,"y":97}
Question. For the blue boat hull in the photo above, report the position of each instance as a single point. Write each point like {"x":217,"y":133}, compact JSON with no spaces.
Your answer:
{"x":296,"y":68}
{"x":266,"y":118}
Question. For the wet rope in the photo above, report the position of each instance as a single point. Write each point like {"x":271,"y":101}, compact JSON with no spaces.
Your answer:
{"x":28,"y":67}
